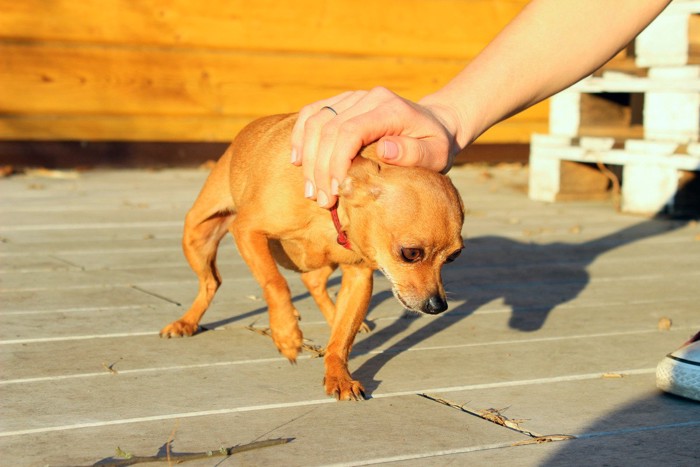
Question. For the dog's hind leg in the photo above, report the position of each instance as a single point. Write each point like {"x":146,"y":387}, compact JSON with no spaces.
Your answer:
{"x":316,"y":281}
{"x":205,"y":225}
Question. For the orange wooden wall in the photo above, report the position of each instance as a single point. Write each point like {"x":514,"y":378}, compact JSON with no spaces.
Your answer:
{"x":180,"y":70}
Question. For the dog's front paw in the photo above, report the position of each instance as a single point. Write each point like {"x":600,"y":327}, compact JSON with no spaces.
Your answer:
{"x":288,"y":342}
{"x":179,"y":328}
{"x":344,"y":388}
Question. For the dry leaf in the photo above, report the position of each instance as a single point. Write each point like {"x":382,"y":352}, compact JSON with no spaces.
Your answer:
{"x":110,"y":368}
{"x":7,"y":170}
{"x":664,"y":324}
{"x":544,"y":439}
{"x":486,"y":175}
{"x":208,"y":165}
{"x":613,"y":375}
{"x":56,"y":174}
{"x":308,"y":345}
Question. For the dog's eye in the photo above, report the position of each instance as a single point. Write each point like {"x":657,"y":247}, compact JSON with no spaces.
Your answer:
{"x":453,"y":256}
{"x":411,"y":255}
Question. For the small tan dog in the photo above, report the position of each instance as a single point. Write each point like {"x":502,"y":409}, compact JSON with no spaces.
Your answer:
{"x":405,"y":222}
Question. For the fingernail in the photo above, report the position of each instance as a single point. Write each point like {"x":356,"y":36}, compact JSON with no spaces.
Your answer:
{"x":321,"y":198}
{"x":295,"y":156}
{"x":391,"y":150}
{"x":334,"y":187}
{"x":309,"y":189}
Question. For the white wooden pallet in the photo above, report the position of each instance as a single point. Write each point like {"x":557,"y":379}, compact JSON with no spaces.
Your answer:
{"x":671,"y":102}
{"x":650,"y":169}
{"x":670,"y":110}
{"x":666,"y":41}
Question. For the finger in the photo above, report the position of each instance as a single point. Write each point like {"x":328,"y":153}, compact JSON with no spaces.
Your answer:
{"x":318,"y":153}
{"x":308,"y":111}
{"x":430,"y":153}
{"x":306,"y":153}
{"x":319,"y":170}
{"x":341,"y":140}
{"x":309,"y":151}
{"x":333,"y":163}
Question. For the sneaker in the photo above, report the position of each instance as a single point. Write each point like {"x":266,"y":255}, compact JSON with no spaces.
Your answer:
{"x":679,"y":372}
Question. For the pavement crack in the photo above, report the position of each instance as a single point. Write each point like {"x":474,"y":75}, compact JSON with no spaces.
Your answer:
{"x":69,"y":263}
{"x":495,"y":416}
{"x":153,"y":294}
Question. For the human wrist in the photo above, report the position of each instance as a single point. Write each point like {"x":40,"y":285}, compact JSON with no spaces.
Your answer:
{"x":452,"y":118}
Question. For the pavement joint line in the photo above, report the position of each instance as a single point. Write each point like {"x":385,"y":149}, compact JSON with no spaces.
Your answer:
{"x":92,"y":226}
{"x":287,"y":405}
{"x":77,"y":338}
{"x":525,"y":341}
{"x":238,"y":262}
{"x":116,"y":286}
{"x":90,"y":309}
{"x":150,"y":370}
{"x":557,"y":228}
{"x":135,"y":236}
{"x":178,"y":249}
{"x":486,"y":447}
{"x":567,"y":306}
{"x":41,"y":340}
{"x":220,"y":264}
{"x":309,"y":357}
{"x":514,"y":285}
{"x":103,"y":251}
{"x":193,"y":280}
{"x":99,"y":208}
{"x":572,"y":306}
{"x":423,"y":455}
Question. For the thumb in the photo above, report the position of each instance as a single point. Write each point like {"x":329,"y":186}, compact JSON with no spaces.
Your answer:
{"x":411,"y":152}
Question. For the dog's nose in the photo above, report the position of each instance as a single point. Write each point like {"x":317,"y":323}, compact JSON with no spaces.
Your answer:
{"x":434,"y":305}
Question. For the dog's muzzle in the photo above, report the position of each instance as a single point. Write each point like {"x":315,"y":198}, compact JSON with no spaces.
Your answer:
{"x":434,"y":305}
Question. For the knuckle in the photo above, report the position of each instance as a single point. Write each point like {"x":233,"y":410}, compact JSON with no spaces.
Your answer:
{"x":381,"y":92}
{"x":306,"y":112}
{"x":330,"y":130}
{"x":348,"y":129}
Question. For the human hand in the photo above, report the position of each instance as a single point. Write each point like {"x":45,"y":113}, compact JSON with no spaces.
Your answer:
{"x":325,"y":140}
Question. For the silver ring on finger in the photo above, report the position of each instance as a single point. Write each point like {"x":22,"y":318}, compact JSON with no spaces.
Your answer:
{"x":330,"y":108}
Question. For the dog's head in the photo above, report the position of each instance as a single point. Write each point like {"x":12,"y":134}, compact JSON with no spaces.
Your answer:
{"x":406,"y":222}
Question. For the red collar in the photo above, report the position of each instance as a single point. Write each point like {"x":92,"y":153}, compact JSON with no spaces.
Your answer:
{"x":342,"y":236}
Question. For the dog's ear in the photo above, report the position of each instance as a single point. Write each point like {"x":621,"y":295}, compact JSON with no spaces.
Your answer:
{"x":362,"y":183}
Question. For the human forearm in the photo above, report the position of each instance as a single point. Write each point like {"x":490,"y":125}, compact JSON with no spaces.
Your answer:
{"x":549,"y":46}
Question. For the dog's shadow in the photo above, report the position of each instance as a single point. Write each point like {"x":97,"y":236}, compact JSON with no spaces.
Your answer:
{"x":531,"y":279}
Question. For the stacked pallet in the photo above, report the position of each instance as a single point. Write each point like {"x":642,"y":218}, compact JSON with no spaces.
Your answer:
{"x":644,"y":118}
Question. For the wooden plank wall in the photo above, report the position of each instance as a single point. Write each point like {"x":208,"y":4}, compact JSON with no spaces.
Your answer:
{"x":179,"y":70}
